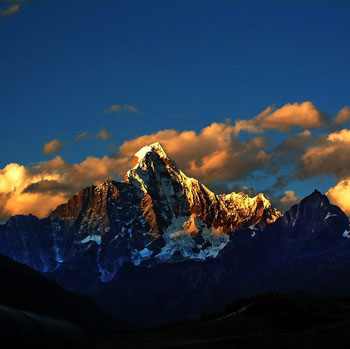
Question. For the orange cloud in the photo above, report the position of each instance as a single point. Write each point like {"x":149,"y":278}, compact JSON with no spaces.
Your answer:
{"x":303,"y":115}
{"x":130,"y":108}
{"x":208,"y":155}
{"x":329,"y":157}
{"x":211,"y":154}
{"x":11,"y":10}
{"x":115,"y":108}
{"x":29,"y":203}
{"x":103,"y":134}
{"x":290,"y":198}
{"x":80,"y":136}
{"x":39,"y":189}
{"x":343,"y":116}
{"x":340,"y":194}
{"x":52,"y":147}
{"x":13,"y":180}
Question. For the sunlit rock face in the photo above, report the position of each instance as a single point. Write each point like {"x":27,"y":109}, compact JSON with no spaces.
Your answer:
{"x":155,"y":214}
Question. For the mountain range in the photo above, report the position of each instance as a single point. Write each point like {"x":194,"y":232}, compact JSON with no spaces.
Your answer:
{"x":160,"y":246}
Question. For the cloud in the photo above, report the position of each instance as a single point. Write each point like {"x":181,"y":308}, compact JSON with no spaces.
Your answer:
{"x":293,"y":146}
{"x":343,"y":116}
{"x":303,"y":115}
{"x":212,"y":154}
{"x":11,"y":10}
{"x":130,"y":108}
{"x":288,"y":199}
{"x":52,"y":147}
{"x":252,"y":125}
{"x":286,"y":155}
{"x":103,"y":134}
{"x":13,"y":179}
{"x":47,"y":186}
{"x":115,"y":108}
{"x":24,"y":189}
{"x":112,"y":147}
{"x":80,"y":136}
{"x":339,"y":195}
{"x":330,"y":156}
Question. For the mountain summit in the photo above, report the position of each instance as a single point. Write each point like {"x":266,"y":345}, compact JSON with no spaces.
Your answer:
{"x":155,"y":214}
{"x":148,"y":150}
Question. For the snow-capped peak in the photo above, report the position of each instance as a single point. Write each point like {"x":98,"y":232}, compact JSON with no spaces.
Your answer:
{"x":246,"y":200}
{"x":152,"y":165}
{"x":266,"y":202}
{"x":154,"y":148}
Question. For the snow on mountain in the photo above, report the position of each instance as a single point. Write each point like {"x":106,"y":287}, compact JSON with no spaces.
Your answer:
{"x":163,"y":237}
{"x":300,"y":251}
{"x":155,"y":214}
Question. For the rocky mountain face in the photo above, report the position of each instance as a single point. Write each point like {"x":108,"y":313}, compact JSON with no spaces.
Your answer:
{"x":160,"y":246}
{"x":155,"y":214}
{"x":307,"y":249}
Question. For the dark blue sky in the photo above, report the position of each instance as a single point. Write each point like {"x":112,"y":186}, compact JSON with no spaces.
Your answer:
{"x":182,"y":64}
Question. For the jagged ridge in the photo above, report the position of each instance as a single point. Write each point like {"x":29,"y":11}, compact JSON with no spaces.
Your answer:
{"x":155,"y":214}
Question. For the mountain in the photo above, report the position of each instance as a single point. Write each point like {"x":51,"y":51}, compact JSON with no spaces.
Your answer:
{"x":26,"y":289}
{"x":155,"y":214}
{"x":160,"y":246}
{"x":306,"y":249}
{"x":271,"y":320}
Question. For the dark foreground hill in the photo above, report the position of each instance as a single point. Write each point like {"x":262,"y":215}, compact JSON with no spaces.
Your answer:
{"x":28,"y":290}
{"x":268,"y":321}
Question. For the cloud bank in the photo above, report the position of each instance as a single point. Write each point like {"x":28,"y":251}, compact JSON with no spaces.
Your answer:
{"x":39,"y":189}
{"x":211,"y":154}
{"x":215,"y":155}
